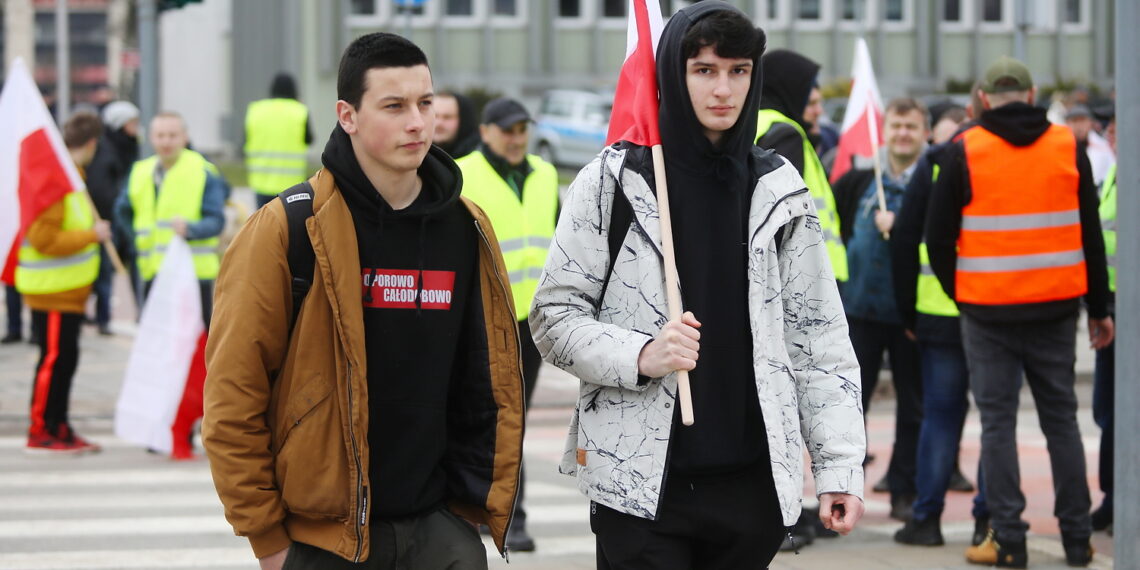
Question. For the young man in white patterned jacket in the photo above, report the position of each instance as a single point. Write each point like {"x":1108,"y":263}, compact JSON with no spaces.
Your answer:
{"x":763,"y":337}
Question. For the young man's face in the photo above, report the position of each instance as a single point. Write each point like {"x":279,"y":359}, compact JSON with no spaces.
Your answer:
{"x":168,"y":137}
{"x":446,"y":119}
{"x":718,"y":87}
{"x":392,"y":129}
{"x":905,"y":134}
{"x":509,"y":143}
{"x":814,"y":109}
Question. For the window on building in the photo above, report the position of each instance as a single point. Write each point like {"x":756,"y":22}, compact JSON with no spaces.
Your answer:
{"x":459,"y":8}
{"x":810,"y":10}
{"x":403,"y":9}
{"x":992,"y":10}
{"x":569,"y":8}
{"x":1072,"y":11}
{"x":894,"y":11}
{"x":773,"y":10}
{"x":506,"y":8}
{"x":363,"y":7}
{"x":853,"y":10}
{"x":952,"y":11}
{"x":614,"y":8}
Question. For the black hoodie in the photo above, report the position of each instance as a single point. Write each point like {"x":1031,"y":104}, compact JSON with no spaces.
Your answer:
{"x":467,"y":136}
{"x":791,"y":77}
{"x":1021,"y":125}
{"x":415,"y":329}
{"x":710,"y":191}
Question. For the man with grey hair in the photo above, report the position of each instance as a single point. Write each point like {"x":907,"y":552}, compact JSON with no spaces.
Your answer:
{"x":1014,"y":238}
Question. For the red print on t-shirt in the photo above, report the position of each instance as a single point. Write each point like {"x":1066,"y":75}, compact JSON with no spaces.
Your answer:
{"x":397,"y":288}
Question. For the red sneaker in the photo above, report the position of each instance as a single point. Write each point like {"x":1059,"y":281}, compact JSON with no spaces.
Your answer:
{"x":67,"y":434}
{"x":47,"y":444}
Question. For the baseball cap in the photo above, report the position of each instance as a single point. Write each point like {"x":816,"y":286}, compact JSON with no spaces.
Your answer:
{"x":1013,"y":75}
{"x":119,"y":113}
{"x":504,"y":112}
{"x":1078,"y":111}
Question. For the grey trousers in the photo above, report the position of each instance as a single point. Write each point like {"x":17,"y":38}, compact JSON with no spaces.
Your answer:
{"x":996,"y":354}
{"x":436,"y":541}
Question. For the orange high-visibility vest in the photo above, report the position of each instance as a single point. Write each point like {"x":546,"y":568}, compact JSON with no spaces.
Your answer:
{"x":1021,"y":232}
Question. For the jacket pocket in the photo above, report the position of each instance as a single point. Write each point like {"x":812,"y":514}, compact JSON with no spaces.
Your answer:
{"x":311,"y":463}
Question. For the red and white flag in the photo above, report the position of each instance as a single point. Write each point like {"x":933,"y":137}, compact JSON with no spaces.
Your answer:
{"x":634,"y":116}
{"x":861,"y":132}
{"x":35,"y":167}
{"x":161,"y":395}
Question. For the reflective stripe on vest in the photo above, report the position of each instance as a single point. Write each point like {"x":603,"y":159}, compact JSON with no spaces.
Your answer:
{"x":39,"y":274}
{"x":524,"y":228}
{"x":1108,"y":223}
{"x":180,"y":196}
{"x":275,"y":150}
{"x":816,"y":179}
{"x":1021,"y":233}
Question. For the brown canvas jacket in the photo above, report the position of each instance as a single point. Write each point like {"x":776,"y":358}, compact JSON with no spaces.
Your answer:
{"x":286,"y":419}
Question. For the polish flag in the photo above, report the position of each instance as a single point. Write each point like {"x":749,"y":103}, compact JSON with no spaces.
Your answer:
{"x":860,"y":134}
{"x":634,"y":115}
{"x":36,"y":170}
{"x":161,"y":396}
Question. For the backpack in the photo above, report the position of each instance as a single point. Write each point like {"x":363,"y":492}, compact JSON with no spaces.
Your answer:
{"x":298,"y":202}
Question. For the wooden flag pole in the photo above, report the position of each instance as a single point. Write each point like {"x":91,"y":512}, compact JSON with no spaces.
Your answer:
{"x":672,"y":281}
{"x":107,"y":243}
{"x":873,"y":126}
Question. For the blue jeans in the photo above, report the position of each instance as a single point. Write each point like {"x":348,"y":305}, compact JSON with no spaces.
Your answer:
{"x":102,"y":288}
{"x":1103,"y":402}
{"x":15,"y":307}
{"x":945,"y":383}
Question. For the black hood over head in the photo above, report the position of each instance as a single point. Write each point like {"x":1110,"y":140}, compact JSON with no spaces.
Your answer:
{"x":467,"y":135}
{"x":1020,"y":124}
{"x":794,"y":76}
{"x":283,"y":87}
{"x":688,"y":153}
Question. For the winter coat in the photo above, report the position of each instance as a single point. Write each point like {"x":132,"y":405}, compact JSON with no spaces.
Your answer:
{"x":807,"y":377}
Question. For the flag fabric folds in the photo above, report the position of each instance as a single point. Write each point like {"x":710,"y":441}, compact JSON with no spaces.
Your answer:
{"x":36,"y":170}
{"x":864,"y":114}
{"x":634,"y":115}
{"x":162,"y":389}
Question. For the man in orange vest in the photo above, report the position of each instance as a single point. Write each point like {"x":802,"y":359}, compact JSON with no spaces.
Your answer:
{"x":1014,"y":238}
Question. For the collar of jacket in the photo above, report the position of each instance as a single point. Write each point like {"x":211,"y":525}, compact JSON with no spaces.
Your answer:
{"x":778,"y":195}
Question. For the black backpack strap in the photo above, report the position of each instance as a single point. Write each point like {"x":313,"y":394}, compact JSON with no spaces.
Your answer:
{"x":621,"y":220}
{"x":298,"y":202}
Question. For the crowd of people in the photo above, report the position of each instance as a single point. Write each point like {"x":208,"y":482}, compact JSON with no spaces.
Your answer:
{"x":376,"y":329}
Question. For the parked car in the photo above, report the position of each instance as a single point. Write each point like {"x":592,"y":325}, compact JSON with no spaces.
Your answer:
{"x":571,"y":126}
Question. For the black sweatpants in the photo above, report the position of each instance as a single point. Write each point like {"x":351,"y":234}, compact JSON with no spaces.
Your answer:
{"x":58,"y":337}
{"x":728,"y":522}
{"x":531,"y":362}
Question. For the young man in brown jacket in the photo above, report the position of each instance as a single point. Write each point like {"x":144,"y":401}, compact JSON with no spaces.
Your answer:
{"x":391,"y":415}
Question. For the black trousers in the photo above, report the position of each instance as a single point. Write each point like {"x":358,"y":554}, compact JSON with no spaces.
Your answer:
{"x":729,"y":522}
{"x":435,"y":541}
{"x":531,"y":362}
{"x":58,"y":338}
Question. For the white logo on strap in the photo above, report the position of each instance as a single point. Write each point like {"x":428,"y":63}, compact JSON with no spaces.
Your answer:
{"x":298,"y":196}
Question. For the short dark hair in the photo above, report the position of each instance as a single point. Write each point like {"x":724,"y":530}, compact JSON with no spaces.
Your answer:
{"x":905,"y":105}
{"x":731,"y":34}
{"x":371,"y":51}
{"x":82,"y":128}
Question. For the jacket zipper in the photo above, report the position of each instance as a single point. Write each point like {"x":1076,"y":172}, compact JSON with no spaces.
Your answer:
{"x":510,"y":517}
{"x":772,"y":210}
{"x":361,"y":497}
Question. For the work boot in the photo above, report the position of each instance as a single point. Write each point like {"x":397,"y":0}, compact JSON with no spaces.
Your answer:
{"x":1102,"y":516}
{"x":882,"y":486}
{"x":519,"y":540}
{"x":1078,"y":551}
{"x":902,"y":507}
{"x":1006,"y":554}
{"x":959,"y":482}
{"x":927,"y":532}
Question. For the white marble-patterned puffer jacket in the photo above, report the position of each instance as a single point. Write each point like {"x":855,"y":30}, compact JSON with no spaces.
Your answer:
{"x":807,"y":377}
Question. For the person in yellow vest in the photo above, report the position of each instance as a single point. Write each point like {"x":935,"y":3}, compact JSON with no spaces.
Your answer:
{"x":277,"y":137}
{"x":58,"y":263}
{"x":175,"y":192}
{"x":789,"y":79}
{"x":519,"y":192}
{"x":1104,"y":376}
{"x":931,"y":318}
{"x":1014,"y":238}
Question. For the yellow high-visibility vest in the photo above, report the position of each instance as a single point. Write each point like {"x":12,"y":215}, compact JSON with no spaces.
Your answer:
{"x":180,"y":196}
{"x":524,"y":227}
{"x":930,"y":297}
{"x":816,"y":180}
{"x":275,"y":150}
{"x":1108,"y":224}
{"x":39,"y":274}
